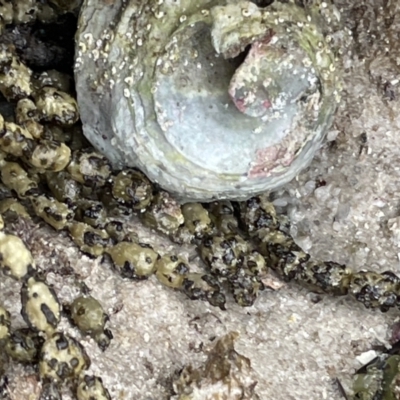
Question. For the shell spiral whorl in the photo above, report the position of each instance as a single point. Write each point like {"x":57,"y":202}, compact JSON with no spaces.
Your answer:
{"x":211,"y":99}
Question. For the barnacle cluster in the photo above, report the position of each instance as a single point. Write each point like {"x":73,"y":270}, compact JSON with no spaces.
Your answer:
{"x":54,"y":174}
{"x":60,"y":358}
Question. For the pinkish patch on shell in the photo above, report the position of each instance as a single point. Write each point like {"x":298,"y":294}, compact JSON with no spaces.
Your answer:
{"x":268,"y":159}
{"x":248,"y":88}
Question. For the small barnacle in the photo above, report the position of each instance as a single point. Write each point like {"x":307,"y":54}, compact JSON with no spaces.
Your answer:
{"x":92,"y":388}
{"x":15,"y":77}
{"x":52,"y":211}
{"x":114,"y":209}
{"x":15,"y":258}
{"x":92,"y":213}
{"x":222,"y":216}
{"x":23,"y":345}
{"x":25,"y":11}
{"x":90,"y":240}
{"x":224,"y":254}
{"x":132,"y":189}
{"x":282,"y":253}
{"x":15,"y":140}
{"x":245,"y":287}
{"x":164,"y":214}
{"x":258,"y":216}
{"x":204,"y":287}
{"x":40,"y":305}
{"x":171,"y":271}
{"x":11,"y":210}
{"x":17,"y":179}
{"x":89,"y":168}
{"x":26,"y":110}
{"x":255,"y":262}
{"x":117,"y":231}
{"x":63,"y":187}
{"x":62,"y":359}
{"x":5,"y":323}
{"x":133,"y":260}
{"x":88,"y":315}
{"x":197,"y":219}
{"x":56,"y":106}
{"x":49,"y":155}
{"x":328,"y":277}
{"x":375,"y":290}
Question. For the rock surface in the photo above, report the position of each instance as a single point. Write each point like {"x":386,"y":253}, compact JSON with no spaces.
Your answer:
{"x":344,"y":208}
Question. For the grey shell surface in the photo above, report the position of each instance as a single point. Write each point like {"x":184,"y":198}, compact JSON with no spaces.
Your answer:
{"x":211,"y":99}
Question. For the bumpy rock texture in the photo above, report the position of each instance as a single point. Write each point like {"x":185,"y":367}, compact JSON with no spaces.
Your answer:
{"x":344,"y":208}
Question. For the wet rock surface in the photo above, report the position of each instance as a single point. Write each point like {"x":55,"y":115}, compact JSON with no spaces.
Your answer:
{"x":344,"y":208}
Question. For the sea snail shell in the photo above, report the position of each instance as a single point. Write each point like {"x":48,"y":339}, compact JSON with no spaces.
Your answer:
{"x":209,"y":98}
